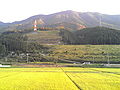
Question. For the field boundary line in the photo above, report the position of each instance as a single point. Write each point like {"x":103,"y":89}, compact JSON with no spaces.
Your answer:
{"x":72,"y":80}
{"x":105,"y":72}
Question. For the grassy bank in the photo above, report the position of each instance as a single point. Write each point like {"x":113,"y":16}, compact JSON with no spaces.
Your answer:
{"x":81,"y":53}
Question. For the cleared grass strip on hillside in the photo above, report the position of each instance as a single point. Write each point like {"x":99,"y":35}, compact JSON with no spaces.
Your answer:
{"x":83,"y":53}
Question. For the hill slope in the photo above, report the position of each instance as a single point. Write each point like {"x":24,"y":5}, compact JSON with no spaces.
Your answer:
{"x":71,"y":20}
{"x":98,"y":35}
{"x":45,"y":37}
{"x":95,"y":35}
{"x":82,"y":53}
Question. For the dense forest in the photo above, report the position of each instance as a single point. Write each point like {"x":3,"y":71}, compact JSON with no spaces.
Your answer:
{"x":16,"y":46}
{"x":93,"y":36}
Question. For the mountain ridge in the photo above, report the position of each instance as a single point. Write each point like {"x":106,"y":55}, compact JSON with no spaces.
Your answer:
{"x":69,"y":19}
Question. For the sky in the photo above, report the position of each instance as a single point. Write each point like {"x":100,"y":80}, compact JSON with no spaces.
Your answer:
{"x":16,"y":10}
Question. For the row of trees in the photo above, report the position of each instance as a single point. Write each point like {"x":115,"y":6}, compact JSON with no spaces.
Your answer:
{"x":14,"y":42}
{"x":68,"y":37}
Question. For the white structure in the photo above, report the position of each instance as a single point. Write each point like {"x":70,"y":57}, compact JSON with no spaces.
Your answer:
{"x":112,"y":65}
{"x":86,"y":63}
{"x":5,"y":65}
{"x":35,"y":25}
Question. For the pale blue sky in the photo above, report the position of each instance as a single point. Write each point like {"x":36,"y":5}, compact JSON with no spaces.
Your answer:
{"x":15,"y":10}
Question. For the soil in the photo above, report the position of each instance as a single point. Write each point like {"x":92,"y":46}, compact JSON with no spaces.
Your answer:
{"x":36,"y":65}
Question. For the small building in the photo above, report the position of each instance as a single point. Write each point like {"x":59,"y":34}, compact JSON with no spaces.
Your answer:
{"x":5,"y":65}
{"x":76,"y":63}
{"x":86,"y":63}
{"x":112,"y":65}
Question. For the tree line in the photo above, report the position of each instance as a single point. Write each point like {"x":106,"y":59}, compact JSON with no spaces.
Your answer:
{"x":93,"y":36}
{"x":16,"y":46}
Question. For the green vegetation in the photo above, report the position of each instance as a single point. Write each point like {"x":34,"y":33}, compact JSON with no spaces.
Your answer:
{"x":68,"y":37}
{"x":15,"y":47}
{"x":81,"y":53}
{"x":29,"y":47}
{"x":93,"y":36}
{"x":98,"y":36}
{"x":45,"y":37}
{"x":2,"y":50}
{"x":14,"y":41}
{"x":20,"y":47}
{"x":59,"y":79}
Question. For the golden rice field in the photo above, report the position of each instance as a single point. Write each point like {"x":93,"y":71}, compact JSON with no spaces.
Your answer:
{"x":65,"y":78}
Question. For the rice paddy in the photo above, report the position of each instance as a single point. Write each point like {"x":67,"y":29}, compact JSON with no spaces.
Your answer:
{"x":65,"y":78}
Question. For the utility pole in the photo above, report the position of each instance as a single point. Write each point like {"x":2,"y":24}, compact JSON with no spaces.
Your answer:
{"x":108,"y":61}
{"x":93,"y":59}
{"x":27,"y":50}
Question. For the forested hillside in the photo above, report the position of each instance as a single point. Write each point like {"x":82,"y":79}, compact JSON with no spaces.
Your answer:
{"x":26,"y":47}
{"x":15,"y":46}
{"x":93,"y":36}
